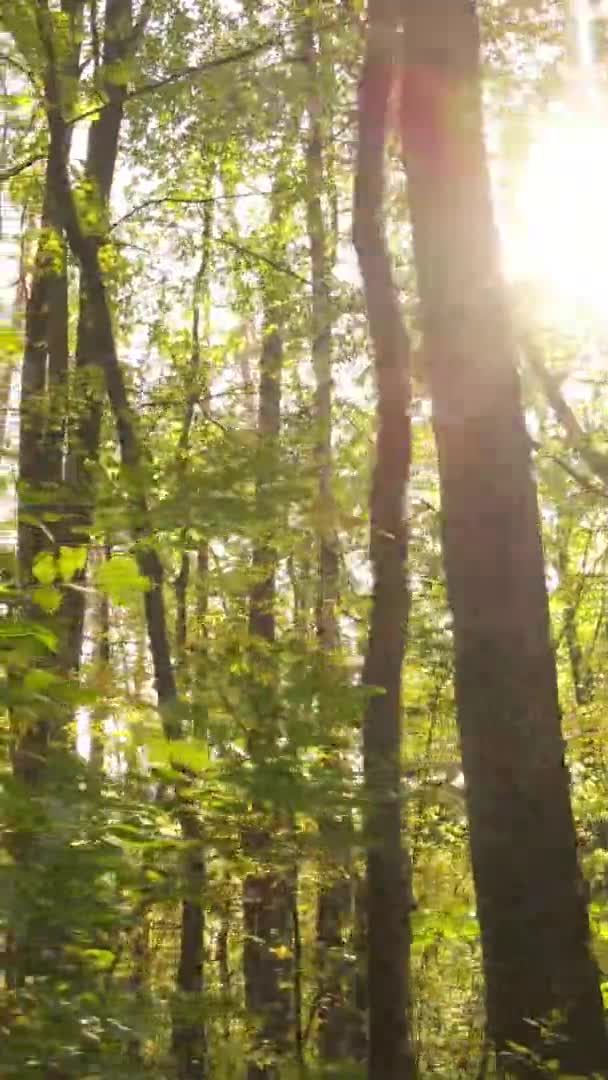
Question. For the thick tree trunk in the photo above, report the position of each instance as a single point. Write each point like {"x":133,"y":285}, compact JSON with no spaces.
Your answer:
{"x":390,"y":1054}
{"x":530,"y":899}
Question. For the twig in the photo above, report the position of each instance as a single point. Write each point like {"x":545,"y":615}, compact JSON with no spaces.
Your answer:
{"x":188,"y":200}
{"x":259,"y":256}
{"x":579,"y":439}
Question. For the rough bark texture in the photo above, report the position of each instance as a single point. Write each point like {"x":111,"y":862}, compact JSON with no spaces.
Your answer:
{"x":390,"y":1054}
{"x":530,"y":900}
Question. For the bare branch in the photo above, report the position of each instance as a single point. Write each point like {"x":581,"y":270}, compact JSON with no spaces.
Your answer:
{"x":258,"y":256}
{"x":194,"y":70}
{"x":6,"y":58}
{"x":187,"y":200}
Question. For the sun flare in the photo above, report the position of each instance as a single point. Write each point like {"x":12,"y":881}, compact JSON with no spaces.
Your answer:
{"x":557,"y":239}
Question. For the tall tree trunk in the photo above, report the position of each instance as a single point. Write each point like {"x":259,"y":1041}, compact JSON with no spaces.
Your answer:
{"x":120,"y":42}
{"x":390,"y":1053}
{"x":358,"y":943}
{"x":85,"y":249}
{"x":530,"y":899}
{"x":35,"y":949}
{"x":267,"y":899}
{"x":45,"y":359}
{"x":334,"y":908}
{"x":197,"y":391}
{"x":43,"y":373}
{"x":188,"y":1036}
{"x":7,"y":367}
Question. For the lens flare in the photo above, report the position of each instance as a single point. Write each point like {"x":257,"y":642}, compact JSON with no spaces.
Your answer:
{"x":558,"y":239}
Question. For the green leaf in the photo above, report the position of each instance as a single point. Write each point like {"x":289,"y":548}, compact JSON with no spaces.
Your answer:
{"x":45,"y":569}
{"x":38,"y":680}
{"x":191,"y":754}
{"x":71,"y":560}
{"x":13,"y":632}
{"x":120,"y":579}
{"x":47,"y":597}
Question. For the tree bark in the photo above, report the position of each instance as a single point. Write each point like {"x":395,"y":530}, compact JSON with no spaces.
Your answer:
{"x":85,"y":249}
{"x":189,"y":1036}
{"x":120,"y":42}
{"x":45,"y":358}
{"x":390,"y":1053}
{"x":530,"y":898}
{"x":267,"y":893}
{"x":197,"y":391}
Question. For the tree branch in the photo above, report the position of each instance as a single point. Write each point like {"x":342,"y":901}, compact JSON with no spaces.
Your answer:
{"x":578,"y":438}
{"x":187,"y":200}
{"x":20,"y":166}
{"x":147,"y":88}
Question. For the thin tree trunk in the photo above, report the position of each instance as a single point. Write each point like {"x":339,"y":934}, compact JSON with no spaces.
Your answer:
{"x":335,"y":899}
{"x":44,"y":371}
{"x":139,"y":955}
{"x":7,"y":367}
{"x":357,"y":1039}
{"x":103,"y":658}
{"x":197,"y":391}
{"x":45,"y":358}
{"x":44,"y":366}
{"x":530,"y":898}
{"x":390,"y":1053}
{"x":120,"y":42}
{"x":580,"y":671}
{"x":267,"y":893}
{"x":189,"y":1037}
{"x":225,"y":980}
{"x":85,"y":250}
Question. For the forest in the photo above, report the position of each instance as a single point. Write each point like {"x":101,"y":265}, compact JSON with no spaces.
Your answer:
{"x":303,"y":554}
